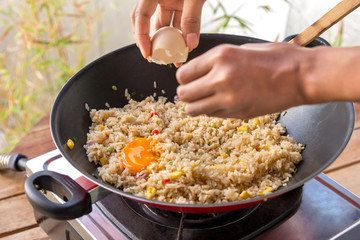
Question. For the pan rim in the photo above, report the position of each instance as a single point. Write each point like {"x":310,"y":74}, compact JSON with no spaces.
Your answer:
{"x":56,"y":139}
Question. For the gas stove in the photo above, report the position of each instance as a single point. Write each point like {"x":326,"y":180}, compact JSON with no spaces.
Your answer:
{"x":321,"y":209}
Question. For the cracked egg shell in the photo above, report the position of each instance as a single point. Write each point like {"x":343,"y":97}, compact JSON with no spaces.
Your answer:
{"x":168,"y":46}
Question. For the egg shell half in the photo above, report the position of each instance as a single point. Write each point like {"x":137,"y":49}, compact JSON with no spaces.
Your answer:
{"x":168,"y":46}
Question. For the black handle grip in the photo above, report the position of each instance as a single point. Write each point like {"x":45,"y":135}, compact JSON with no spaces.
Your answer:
{"x":77,"y":200}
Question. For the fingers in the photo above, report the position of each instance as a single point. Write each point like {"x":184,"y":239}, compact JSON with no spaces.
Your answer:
{"x":187,"y":17}
{"x":190,"y":22}
{"x":204,"y":106}
{"x":140,"y":20}
{"x":201,"y":88}
{"x":177,"y":19}
{"x":224,"y":113}
{"x":132,"y":18}
{"x":163,"y":17}
{"x":194,"y":69}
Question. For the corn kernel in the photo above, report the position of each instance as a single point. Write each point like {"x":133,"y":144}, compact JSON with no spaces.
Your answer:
{"x":256,"y":121}
{"x":266,"y":146}
{"x":195,"y":165}
{"x":244,"y":195}
{"x":215,"y":165}
{"x":223,"y":155}
{"x":150,"y":192}
{"x":103,"y":161}
{"x":171,"y":200}
{"x":101,"y":128}
{"x":241,"y":161}
{"x":190,"y":137}
{"x":266,"y":191}
{"x":176,"y":174}
{"x":70,"y":144}
{"x":243,"y":128}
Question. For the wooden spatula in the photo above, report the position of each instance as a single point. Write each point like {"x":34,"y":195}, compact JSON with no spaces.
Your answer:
{"x":325,"y":22}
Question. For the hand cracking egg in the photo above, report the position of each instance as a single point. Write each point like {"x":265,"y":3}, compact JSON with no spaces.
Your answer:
{"x":138,"y":154}
{"x":168,"y":46}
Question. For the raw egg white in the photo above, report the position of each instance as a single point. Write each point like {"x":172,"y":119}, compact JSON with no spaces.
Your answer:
{"x":138,"y":154}
{"x":168,"y":46}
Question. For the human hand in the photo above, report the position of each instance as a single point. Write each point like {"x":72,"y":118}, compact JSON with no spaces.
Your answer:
{"x":244,"y":81}
{"x":187,"y":18}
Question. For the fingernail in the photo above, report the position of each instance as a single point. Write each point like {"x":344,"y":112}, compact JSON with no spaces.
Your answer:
{"x":188,"y":110}
{"x":177,"y":65}
{"x":191,"y":40}
{"x":142,"y":53}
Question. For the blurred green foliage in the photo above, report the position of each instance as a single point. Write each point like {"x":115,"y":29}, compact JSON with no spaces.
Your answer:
{"x":225,"y":19}
{"x":43,"y":43}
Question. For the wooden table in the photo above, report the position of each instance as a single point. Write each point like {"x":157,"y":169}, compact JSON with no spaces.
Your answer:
{"x":16,"y":214}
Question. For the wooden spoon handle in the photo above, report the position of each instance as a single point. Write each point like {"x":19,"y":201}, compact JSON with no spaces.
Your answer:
{"x":325,"y":22}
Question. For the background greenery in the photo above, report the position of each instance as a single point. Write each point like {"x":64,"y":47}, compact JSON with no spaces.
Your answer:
{"x":44,"y":42}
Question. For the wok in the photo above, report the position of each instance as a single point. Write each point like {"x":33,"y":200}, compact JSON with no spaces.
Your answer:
{"x":324,"y":128}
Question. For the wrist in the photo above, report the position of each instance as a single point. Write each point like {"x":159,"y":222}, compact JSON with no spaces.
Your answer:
{"x":331,"y":74}
{"x":309,"y":75}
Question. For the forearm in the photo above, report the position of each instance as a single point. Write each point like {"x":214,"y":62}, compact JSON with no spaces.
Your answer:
{"x":332,"y":74}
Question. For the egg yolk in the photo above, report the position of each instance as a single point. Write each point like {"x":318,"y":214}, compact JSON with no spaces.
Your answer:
{"x":138,"y":154}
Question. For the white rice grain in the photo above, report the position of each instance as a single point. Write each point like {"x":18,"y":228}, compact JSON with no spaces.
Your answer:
{"x":218,"y":160}
{"x":87,"y":107}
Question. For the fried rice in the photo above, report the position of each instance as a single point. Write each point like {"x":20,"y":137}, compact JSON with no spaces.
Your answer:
{"x":200,"y":160}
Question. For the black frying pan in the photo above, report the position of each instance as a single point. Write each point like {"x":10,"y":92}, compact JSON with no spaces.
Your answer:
{"x":325,"y":128}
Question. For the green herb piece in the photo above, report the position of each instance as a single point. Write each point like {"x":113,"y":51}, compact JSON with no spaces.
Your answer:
{"x":295,"y":170}
{"x":141,"y":95}
{"x":114,"y":87}
{"x":212,"y":125}
{"x":171,"y":162}
{"x":133,"y":93}
{"x":208,"y":144}
{"x":182,"y":109}
{"x":118,"y":118}
{"x":109,"y":149}
{"x":74,"y":139}
{"x":169,"y":65}
{"x":229,"y":150}
{"x":282,"y":148}
{"x":131,"y":190}
{"x":304,"y":145}
{"x":121,"y":187}
{"x":115,"y":151}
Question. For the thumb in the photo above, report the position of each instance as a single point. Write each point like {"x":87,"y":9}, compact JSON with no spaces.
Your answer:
{"x":191,"y":21}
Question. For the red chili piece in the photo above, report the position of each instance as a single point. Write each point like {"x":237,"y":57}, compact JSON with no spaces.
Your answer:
{"x":155,"y":131}
{"x":165,"y":181}
{"x":154,"y":114}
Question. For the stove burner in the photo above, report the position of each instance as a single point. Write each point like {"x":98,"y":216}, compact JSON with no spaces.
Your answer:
{"x":138,"y":221}
{"x":190,"y":220}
